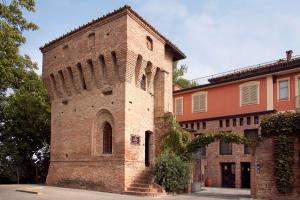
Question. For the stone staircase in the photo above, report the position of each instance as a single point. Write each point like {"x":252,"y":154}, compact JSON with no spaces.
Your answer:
{"x":144,"y":185}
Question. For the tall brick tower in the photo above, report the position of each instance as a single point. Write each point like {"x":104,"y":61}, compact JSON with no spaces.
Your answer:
{"x":110,"y":84}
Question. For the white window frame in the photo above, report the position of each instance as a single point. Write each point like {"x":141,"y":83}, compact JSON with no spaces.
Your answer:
{"x":196,"y":94}
{"x":289,"y":89}
{"x":179,"y":98}
{"x":250,"y":83}
{"x":297,"y":90}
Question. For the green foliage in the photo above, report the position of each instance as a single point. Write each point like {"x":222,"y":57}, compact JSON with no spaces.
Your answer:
{"x":282,"y":126}
{"x":178,"y":79}
{"x":171,"y":172}
{"x":283,"y":154}
{"x":177,"y":140}
{"x":25,"y":132}
{"x":13,"y":66}
{"x":204,"y":140}
{"x":280,"y":123}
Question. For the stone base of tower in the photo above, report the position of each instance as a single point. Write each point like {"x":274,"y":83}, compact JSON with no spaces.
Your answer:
{"x":99,"y":176}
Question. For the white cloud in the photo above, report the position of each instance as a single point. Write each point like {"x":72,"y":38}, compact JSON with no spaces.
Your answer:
{"x":218,"y":38}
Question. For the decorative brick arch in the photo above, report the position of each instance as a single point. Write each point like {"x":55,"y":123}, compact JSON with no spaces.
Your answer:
{"x":102,"y":119}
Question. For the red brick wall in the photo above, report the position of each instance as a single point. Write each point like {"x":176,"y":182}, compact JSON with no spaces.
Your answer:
{"x":264,"y":187}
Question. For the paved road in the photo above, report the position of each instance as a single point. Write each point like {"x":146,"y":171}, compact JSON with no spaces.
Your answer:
{"x":8,"y":192}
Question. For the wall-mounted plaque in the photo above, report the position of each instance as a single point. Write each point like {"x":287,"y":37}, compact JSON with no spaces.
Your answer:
{"x":135,"y":139}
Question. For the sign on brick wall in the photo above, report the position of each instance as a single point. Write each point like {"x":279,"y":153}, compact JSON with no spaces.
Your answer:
{"x":135,"y":139}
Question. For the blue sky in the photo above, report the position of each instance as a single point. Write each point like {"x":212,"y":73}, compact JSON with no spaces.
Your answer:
{"x":216,"y":35}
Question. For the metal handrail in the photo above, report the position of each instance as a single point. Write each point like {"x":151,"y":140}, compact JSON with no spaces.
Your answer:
{"x":205,"y":79}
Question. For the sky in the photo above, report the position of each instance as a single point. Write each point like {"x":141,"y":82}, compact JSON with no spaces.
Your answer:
{"x":215,"y":35}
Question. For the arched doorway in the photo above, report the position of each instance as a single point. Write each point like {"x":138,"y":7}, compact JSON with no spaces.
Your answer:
{"x":148,"y":135}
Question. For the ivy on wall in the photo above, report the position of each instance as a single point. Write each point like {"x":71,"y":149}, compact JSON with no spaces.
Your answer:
{"x":283,"y":127}
{"x":204,"y":140}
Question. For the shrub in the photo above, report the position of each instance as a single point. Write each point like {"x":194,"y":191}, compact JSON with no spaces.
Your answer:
{"x":171,"y":172}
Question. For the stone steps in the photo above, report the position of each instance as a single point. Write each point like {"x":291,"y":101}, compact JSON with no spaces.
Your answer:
{"x":143,"y":186}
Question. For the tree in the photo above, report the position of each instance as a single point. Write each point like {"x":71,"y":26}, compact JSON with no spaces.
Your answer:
{"x":25,"y":132}
{"x":13,"y":66}
{"x":24,"y":110}
{"x":178,"y":72}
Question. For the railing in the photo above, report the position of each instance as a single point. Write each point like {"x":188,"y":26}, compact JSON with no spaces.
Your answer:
{"x":205,"y":79}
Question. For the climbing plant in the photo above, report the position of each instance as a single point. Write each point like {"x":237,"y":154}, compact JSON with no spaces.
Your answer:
{"x":177,"y":140}
{"x":283,"y":127}
{"x":204,"y":140}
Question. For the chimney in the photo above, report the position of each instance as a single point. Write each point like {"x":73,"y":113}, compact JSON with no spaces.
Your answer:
{"x":289,"y":55}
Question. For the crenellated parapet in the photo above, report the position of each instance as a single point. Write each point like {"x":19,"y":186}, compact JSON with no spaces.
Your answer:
{"x":140,"y":72}
{"x":94,"y":73}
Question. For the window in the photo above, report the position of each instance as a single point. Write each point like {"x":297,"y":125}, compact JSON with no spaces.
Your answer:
{"x":192,"y":126}
{"x":225,"y":148}
{"x":143,"y":83}
{"x":149,"y":43}
{"x":198,"y":125}
{"x":227,"y":122}
{"x":179,"y":106}
{"x":283,"y":90}
{"x":251,"y":135}
{"x":248,"y":120}
{"x":241,"y":121}
{"x":199,"y":102}
{"x":220,"y":123}
{"x":249,"y":93}
{"x":107,"y":138}
{"x":234,"y":122}
{"x":256,"y":120}
{"x":297,"y":90}
{"x":204,"y":125}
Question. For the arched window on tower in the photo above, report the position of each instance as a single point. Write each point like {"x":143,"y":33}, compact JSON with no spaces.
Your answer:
{"x":149,"y":43}
{"x":107,"y":138}
{"x":143,"y":83}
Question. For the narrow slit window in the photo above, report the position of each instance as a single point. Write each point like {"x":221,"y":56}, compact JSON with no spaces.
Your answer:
{"x":241,"y":121}
{"x":149,"y":43}
{"x":204,"y":125}
{"x":227,"y":122}
{"x":234,"y":122}
{"x":220,"y":123}
{"x":143,"y":82}
{"x":256,"y":120}
{"x":107,"y":138}
{"x":248,"y":120}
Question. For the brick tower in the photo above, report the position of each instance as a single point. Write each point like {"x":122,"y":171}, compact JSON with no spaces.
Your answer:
{"x":110,"y":84}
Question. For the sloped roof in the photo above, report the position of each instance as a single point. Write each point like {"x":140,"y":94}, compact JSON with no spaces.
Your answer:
{"x":177,"y":52}
{"x":248,"y":72}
